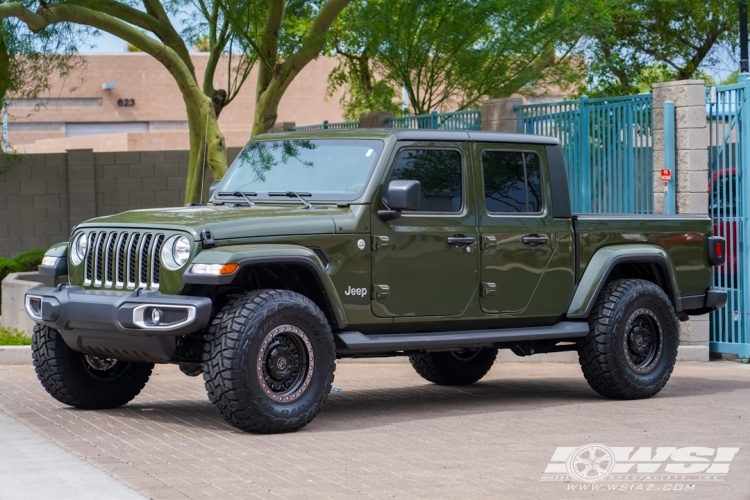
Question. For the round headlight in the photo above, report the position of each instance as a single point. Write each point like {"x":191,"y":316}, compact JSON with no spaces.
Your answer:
{"x":175,"y":252}
{"x":78,"y":253}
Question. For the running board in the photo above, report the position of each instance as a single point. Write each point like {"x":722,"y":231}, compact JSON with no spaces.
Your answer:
{"x":359,"y":343}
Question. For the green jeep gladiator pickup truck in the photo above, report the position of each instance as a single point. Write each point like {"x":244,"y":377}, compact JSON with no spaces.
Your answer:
{"x":436,"y":245}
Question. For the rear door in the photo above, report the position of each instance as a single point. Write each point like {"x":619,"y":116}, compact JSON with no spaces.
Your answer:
{"x":517,"y":229}
{"x":418,"y":269}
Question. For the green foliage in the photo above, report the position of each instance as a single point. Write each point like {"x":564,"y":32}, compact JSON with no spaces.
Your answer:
{"x":29,"y":261}
{"x":449,"y":54}
{"x":13,"y":337}
{"x":636,"y":43}
{"x":8,"y":266}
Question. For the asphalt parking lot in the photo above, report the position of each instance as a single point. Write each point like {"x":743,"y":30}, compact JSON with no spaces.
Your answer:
{"x":389,"y":434}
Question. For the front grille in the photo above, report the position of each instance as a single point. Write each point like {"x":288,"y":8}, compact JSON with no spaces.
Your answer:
{"x":123,"y":259}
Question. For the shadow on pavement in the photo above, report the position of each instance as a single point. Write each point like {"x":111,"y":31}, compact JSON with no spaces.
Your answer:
{"x":369,"y":408}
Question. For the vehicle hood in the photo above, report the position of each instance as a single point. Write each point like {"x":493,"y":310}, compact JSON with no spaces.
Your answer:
{"x":225,"y":222}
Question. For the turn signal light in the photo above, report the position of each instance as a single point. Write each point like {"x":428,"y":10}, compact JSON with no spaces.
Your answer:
{"x":214,"y":269}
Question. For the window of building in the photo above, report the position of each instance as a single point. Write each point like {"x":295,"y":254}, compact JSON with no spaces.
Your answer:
{"x":512,"y":182}
{"x":439,"y":173}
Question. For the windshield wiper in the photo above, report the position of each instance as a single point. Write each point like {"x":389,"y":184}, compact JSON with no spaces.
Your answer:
{"x":243,"y":194}
{"x":293,"y":194}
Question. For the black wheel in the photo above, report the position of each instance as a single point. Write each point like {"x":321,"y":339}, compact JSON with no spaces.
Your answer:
{"x":269,"y":360}
{"x":454,"y":367}
{"x":83,"y":380}
{"x":631,"y":347}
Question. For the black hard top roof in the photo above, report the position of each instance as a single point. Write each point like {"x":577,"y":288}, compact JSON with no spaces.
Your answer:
{"x":417,"y":135}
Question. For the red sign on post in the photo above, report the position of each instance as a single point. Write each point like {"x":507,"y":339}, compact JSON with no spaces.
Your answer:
{"x":666,"y":174}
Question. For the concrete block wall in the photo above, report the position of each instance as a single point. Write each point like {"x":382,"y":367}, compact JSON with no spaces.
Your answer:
{"x":42,"y":196}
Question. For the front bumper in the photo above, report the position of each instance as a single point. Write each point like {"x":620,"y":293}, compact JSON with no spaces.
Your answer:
{"x":68,"y":307}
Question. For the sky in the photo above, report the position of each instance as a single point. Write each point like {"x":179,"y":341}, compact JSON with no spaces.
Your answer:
{"x":105,"y":43}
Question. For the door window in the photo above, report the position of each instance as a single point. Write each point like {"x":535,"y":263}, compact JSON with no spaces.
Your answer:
{"x":512,"y":182}
{"x":439,"y":173}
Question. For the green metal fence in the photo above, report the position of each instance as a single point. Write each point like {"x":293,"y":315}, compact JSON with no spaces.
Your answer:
{"x":328,"y":126}
{"x":456,"y":120}
{"x":608,"y":147}
{"x":728,"y":116}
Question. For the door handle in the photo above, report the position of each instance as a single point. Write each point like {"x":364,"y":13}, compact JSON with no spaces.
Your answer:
{"x":534,"y":239}
{"x":456,"y":241}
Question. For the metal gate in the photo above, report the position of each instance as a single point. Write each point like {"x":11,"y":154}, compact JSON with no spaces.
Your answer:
{"x":728,"y":114}
{"x":608,"y":147}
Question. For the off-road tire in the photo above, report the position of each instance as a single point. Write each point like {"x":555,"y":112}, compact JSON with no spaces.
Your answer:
{"x":606,"y":354}
{"x":447,"y":368}
{"x":68,"y":378}
{"x":234,"y":365}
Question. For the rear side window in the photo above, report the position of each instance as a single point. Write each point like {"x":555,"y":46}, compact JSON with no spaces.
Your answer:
{"x":439,"y":173}
{"x":512,"y":182}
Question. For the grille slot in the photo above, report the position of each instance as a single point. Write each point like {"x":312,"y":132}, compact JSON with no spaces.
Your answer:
{"x":156,"y":260}
{"x":133,"y":259}
{"x":122,"y":259}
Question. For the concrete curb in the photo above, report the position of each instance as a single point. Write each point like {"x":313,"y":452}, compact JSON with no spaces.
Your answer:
{"x":15,"y":355}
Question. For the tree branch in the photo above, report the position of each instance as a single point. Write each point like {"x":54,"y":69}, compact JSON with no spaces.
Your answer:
{"x":269,"y":43}
{"x":314,"y":42}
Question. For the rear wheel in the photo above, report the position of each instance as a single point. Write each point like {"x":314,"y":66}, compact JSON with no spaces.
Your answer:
{"x":84,"y":380}
{"x":631,"y":347}
{"x":454,"y":367}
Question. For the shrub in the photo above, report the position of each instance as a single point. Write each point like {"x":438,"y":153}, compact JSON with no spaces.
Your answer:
{"x":29,"y":261}
{"x":13,"y":337}
{"x":7,"y":267}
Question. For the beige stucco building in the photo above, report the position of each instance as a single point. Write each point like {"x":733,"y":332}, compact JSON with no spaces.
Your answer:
{"x":129,"y":102}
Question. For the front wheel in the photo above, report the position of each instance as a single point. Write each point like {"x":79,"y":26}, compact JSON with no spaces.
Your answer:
{"x":631,"y":347}
{"x":268,"y":361}
{"x":84,"y":380}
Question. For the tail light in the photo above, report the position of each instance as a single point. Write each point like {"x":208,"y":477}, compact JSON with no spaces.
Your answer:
{"x":717,"y":250}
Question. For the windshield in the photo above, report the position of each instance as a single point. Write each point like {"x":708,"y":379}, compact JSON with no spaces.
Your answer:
{"x":323,"y":169}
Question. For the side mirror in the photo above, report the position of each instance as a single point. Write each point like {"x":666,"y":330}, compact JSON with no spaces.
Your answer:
{"x":402,"y":195}
{"x":212,"y":188}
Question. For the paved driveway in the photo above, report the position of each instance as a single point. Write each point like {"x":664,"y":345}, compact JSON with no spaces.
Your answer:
{"x":389,"y":434}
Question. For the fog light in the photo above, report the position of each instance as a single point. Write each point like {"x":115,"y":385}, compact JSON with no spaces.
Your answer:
{"x":156,"y":316}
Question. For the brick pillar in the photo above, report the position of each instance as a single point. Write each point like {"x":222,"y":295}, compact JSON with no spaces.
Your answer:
{"x":691,"y":179}
{"x":498,"y":115}
{"x":81,"y":186}
{"x":375,"y":119}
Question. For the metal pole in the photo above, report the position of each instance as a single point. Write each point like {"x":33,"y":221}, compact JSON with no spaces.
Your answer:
{"x":583,"y":156}
{"x":744,"y":66}
{"x":670,"y":197}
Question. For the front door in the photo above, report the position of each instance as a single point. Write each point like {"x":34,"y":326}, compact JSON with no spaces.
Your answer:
{"x":518,"y":233}
{"x":425,"y":262}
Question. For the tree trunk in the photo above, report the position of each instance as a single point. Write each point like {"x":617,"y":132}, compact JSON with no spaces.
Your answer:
{"x":267,"y":110}
{"x":208,"y":152}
